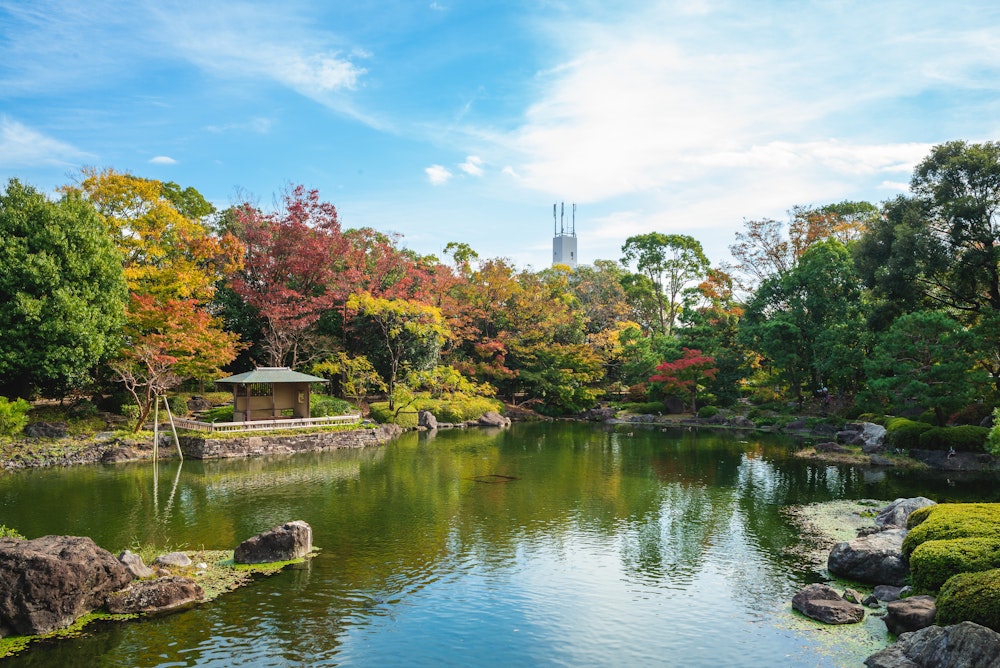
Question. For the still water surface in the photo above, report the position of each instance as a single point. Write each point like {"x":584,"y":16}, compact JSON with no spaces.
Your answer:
{"x":542,"y":545}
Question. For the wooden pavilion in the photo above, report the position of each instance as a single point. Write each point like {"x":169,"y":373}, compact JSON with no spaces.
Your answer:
{"x":270,"y":393}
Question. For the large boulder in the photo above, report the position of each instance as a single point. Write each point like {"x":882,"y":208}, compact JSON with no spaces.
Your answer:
{"x":198,"y":404}
{"x":427,"y":420}
{"x":874,"y":559}
{"x":46,"y":430}
{"x":823,"y":603}
{"x":155,"y":596}
{"x":291,"y":540}
{"x":965,"y":645}
{"x":48,"y":582}
{"x":172,"y":560}
{"x":896,"y":513}
{"x":872,"y":437}
{"x":910,"y":614}
{"x":493,"y":419}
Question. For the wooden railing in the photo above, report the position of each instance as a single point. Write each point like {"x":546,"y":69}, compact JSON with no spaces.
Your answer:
{"x":266,"y":425}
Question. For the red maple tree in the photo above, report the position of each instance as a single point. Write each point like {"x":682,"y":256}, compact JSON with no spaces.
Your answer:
{"x":686,"y":373}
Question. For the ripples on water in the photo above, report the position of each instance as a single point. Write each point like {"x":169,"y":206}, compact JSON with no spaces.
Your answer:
{"x":543,"y":545}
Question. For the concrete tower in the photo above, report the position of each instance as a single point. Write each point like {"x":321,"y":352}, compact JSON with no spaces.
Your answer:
{"x":563,"y":238}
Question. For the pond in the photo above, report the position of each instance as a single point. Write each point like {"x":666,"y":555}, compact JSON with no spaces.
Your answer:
{"x":545,"y":545}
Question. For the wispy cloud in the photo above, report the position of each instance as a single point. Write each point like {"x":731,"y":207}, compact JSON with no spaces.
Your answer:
{"x":473,"y":166}
{"x":258,"y":125}
{"x":438,"y":174}
{"x":162,"y":160}
{"x":21,"y":146}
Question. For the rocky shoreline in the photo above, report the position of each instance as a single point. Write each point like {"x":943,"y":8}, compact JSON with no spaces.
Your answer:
{"x":55,"y":583}
{"x":876,"y":558}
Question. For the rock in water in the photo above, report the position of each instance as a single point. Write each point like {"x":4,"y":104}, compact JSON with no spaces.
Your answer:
{"x":48,"y":582}
{"x":493,"y":419}
{"x":155,"y":596}
{"x":910,"y":614}
{"x":965,"y":645}
{"x":133,"y":562}
{"x":823,"y":603}
{"x":427,"y":420}
{"x":875,"y":559}
{"x":896,"y":513}
{"x":283,"y":543}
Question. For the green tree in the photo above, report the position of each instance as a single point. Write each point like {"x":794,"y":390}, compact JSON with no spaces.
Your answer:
{"x":671,"y":262}
{"x":795,"y":318}
{"x":923,"y":361}
{"x":62,"y":289}
{"x":402,"y":325}
{"x":357,"y":376}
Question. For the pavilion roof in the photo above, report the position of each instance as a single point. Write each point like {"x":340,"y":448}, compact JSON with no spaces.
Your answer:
{"x":272,"y":374}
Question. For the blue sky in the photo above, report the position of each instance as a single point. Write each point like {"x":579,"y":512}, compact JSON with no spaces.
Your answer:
{"x":465,"y":121}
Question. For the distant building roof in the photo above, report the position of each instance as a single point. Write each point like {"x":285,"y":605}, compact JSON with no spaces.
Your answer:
{"x":272,"y":374}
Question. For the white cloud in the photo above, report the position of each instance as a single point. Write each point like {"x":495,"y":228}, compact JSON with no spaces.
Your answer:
{"x":21,"y":146}
{"x":162,"y":160}
{"x":472,"y":166}
{"x":438,"y":175}
{"x":257,"y":125}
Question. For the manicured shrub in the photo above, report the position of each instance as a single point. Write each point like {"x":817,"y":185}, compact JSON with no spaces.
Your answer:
{"x":707,"y":412}
{"x":13,"y":416}
{"x":933,"y":562}
{"x":903,"y":433}
{"x":918,"y":516}
{"x":178,"y":406}
{"x":218,"y":414}
{"x":448,"y":411}
{"x":965,"y":438}
{"x":875,"y":418}
{"x":955,"y":520}
{"x":323,"y":405}
{"x":971,"y":597}
{"x":644,"y":408}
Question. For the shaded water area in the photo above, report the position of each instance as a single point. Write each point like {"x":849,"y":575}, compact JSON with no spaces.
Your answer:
{"x":545,"y":544}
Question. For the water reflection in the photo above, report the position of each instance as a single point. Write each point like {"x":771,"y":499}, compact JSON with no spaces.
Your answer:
{"x":600,"y":546}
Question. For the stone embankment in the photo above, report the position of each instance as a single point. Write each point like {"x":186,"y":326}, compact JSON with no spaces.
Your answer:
{"x":203,"y":447}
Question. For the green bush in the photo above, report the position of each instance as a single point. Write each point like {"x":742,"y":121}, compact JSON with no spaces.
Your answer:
{"x":455,"y":410}
{"x":918,"y":516}
{"x":955,"y":520}
{"x":178,"y":406}
{"x":13,"y":416}
{"x":218,"y":414}
{"x":965,"y":438}
{"x":904,"y":434}
{"x":323,"y":405}
{"x":7,"y":532}
{"x":971,"y":597}
{"x":131,"y":412}
{"x":993,"y":440}
{"x":874,"y":418}
{"x":933,"y":562}
{"x":707,"y":412}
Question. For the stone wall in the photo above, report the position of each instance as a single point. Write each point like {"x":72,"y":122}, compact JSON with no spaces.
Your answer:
{"x":200,"y":447}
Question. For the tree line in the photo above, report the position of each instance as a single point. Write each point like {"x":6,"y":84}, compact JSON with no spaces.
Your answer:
{"x":122,"y":283}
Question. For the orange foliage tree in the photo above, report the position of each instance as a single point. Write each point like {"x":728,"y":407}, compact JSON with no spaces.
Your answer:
{"x":686,"y":374}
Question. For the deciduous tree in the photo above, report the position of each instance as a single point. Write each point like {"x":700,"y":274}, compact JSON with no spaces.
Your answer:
{"x":687,"y":374}
{"x":62,"y":291}
{"x":671,"y":262}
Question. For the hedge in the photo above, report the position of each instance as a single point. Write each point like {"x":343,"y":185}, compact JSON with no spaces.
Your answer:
{"x":706,"y":412}
{"x":933,"y":562}
{"x":453,"y":411}
{"x":904,"y":434}
{"x":955,"y":520}
{"x":972,"y":597}
{"x":966,"y":438}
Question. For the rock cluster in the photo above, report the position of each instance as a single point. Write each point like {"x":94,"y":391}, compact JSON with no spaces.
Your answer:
{"x":48,"y":583}
{"x":822,"y":603}
{"x":965,"y":645}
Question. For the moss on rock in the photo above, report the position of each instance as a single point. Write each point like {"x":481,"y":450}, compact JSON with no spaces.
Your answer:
{"x":973,"y":597}
{"x":934,"y":562}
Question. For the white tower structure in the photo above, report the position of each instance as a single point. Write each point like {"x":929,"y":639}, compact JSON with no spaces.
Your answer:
{"x":563,"y":237}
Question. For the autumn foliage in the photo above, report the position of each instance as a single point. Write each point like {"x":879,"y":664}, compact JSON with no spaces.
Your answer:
{"x":686,"y":374}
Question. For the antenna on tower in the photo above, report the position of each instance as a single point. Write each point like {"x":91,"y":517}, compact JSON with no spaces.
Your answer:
{"x":572,"y":230}
{"x":562,"y":218}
